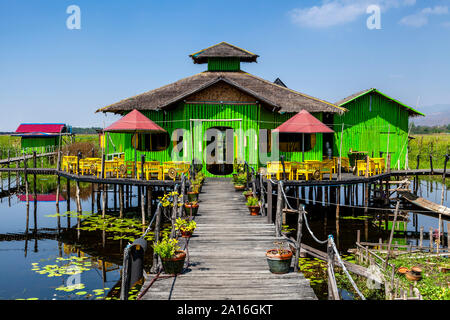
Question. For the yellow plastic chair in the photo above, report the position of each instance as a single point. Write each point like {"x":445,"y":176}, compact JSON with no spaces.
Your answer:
{"x":380,"y":165}
{"x":361,"y":167}
{"x":69,"y":163}
{"x":327,"y":166}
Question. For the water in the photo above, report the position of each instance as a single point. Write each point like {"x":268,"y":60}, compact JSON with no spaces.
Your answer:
{"x":41,"y":247}
{"x":323,"y":222}
{"x":36,"y":262}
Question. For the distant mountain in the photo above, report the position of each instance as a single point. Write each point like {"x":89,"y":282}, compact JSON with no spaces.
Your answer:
{"x":435,"y":115}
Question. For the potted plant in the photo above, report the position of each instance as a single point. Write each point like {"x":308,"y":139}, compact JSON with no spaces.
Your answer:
{"x":191,"y":208}
{"x":253,"y":206}
{"x":247,"y":193}
{"x":171,"y":256}
{"x":279,"y":259}
{"x":240,"y":181}
{"x":186,"y":227}
{"x":193,"y":195}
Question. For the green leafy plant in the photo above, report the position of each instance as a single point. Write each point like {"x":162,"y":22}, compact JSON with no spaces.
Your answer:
{"x":252,"y":201}
{"x":167,"y":199}
{"x":185,"y":225}
{"x":240,"y":179}
{"x":166,"y":247}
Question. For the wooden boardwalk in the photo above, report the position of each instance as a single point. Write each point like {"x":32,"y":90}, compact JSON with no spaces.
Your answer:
{"x":227,"y":256}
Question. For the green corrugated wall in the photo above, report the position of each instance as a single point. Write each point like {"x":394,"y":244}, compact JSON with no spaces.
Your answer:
{"x":224,"y":64}
{"x":366,"y":126}
{"x":38,"y":144}
{"x":252,"y":117}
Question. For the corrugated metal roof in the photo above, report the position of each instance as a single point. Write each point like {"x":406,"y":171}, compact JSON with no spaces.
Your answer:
{"x":42,"y":128}
{"x":364,"y":92}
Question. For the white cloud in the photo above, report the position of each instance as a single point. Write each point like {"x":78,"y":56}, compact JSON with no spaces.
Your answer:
{"x":337,"y":12}
{"x":421,"y":18}
{"x":446,"y":24}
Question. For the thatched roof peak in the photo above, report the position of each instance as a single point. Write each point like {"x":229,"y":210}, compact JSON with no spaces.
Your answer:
{"x":223,"y":50}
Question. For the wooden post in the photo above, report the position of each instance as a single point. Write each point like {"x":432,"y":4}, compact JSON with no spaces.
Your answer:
{"x":9,"y":173}
{"x":262,"y":197}
{"x":333,"y":293}
{"x":431,"y":239}
{"x":68,"y":194}
{"x":421,"y":238}
{"x":388,"y":163}
{"x":79,"y":209}
{"x":174,"y":215}
{"x":279,"y":209}
{"x":121,"y":201}
{"x":367,"y":166}
{"x":448,"y":236}
{"x":269,"y":202}
{"x":142,"y":192}
{"x":392,"y":233}
{"x":149,"y":200}
{"x":154,"y":268}
{"x":299,"y":237}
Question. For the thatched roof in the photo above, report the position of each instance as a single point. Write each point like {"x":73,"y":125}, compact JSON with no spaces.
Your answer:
{"x":280,"y":98}
{"x":223,"y":50}
{"x":412,"y":112}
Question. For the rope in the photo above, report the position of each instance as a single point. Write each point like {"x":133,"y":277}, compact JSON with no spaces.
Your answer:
{"x":344,"y":268}
{"x":360,"y":207}
{"x":330,"y":238}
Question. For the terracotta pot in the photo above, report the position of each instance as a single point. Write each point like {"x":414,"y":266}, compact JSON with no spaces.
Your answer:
{"x":250,"y":194}
{"x":412,"y":276}
{"x":188,"y":207}
{"x":192,"y":196}
{"x":254,"y":210}
{"x":402,"y":270}
{"x":186,"y":234}
{"x":239,"y":187}
{"x":416,"y":270}
{"x":175,"y":264}
{"x":279,"y":264}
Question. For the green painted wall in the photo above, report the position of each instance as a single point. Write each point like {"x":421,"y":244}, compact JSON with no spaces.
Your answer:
{"x":249,"y":118}
{"x":368,"y":123}
{"x":224,"y":64}
{"x":38,"y":144}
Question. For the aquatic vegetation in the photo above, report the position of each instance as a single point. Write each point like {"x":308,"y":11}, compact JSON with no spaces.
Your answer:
{"x":434,"y":284}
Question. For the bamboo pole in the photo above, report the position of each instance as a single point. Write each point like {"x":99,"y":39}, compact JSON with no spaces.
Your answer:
{"x":392,"y":233}
{"x":299,"y":237}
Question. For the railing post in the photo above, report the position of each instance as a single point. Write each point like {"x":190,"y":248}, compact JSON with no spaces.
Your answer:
{"x":269,"y":201}
{"x":279,"y":209}
{"x":333,"y":294}
{"x":299,"y":236}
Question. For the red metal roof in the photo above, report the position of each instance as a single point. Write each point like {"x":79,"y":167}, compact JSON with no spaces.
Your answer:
{"x":40,"y":127}
{"x":303,"y":122}
{"x":134,"y":122}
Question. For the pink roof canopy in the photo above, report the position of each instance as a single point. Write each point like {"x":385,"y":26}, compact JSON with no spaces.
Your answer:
{"x":43,"y":128}
{"x":134,"y":122}
{"x":303,"y":122}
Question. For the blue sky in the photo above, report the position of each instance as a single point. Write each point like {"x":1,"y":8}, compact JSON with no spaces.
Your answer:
{"x":322,"y":48}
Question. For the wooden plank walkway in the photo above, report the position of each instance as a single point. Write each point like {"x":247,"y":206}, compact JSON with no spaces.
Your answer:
{"x":424,"y":203}
{"x":227,"y":256}
{"x":27,"y":157}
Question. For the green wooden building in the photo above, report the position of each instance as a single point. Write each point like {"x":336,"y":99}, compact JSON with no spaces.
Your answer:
{"x":244,"y":108}
{"x":41,"y":137}
{"x":374,"y":123}
{"x":222,"y":97}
